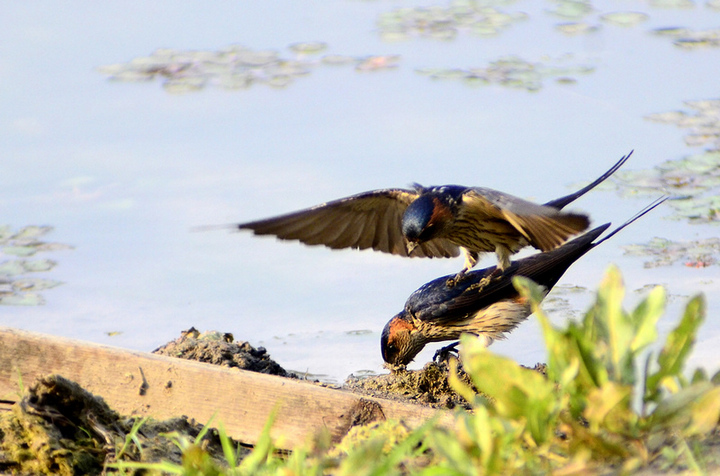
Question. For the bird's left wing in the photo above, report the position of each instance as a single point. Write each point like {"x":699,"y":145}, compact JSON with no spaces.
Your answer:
{"x":544,"y":227}
{"x":367,"y":220}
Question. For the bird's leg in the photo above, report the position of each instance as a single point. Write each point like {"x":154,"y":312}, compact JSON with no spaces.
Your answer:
{"x":485,"y":281}
{"x":503,"y":255}
{"x":443,"y":354}
{"x":471,"y":259}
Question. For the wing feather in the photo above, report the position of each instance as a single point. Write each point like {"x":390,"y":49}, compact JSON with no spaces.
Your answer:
{"x":367,"y":220}
{"x":544,"y":227}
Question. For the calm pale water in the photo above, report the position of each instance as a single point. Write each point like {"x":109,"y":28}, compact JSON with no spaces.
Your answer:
{"x":124,"y":170}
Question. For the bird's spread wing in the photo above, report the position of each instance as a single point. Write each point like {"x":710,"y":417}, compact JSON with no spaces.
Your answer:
{"x":367,"y":220}
{"x":544,"y":227}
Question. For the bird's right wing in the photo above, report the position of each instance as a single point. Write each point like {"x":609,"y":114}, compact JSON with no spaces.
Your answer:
{"x":367,"y":220}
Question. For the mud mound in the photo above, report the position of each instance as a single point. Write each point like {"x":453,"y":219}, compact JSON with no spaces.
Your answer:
{"x":428,"y":386}
{"x":216,"y":348}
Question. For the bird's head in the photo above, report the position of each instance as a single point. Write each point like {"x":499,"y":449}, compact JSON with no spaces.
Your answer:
{"x":401,"y":341}
{"x":426,"y":218}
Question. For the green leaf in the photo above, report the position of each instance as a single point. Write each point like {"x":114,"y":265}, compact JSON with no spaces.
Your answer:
{"x":646,"y":316}
{"x":677,"y":347}
{"x":517,"y":393}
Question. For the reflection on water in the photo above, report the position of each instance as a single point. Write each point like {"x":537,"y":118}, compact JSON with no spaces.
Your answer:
{"x":123,"y":171}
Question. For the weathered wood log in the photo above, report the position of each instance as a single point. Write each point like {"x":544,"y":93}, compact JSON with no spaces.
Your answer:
{"x":143,"y":384}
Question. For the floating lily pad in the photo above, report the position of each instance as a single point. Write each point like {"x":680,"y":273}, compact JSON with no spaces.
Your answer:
{"x":38,"y":265}
{"x":511,"y":72}
{"x":375,"y":63}
{"x":34,"y":284}
{"x":32,"y":232}
{"x":576,"y":28}
{"x":234,"y":67}
{"x":624,"y":19}
{"x":672,"y":3}
{"x":22,"y":299}
{"x":310,"y":48}
{"x":19,"y":250}
{"x":663,"y":252}
{"x":11,"y":268}
{"x":687,"y":38}
{"x":15,"y":289}
{"x":445,"y":22}
{"x":572,"y":9}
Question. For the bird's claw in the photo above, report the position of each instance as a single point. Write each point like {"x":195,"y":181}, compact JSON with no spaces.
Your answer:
{"x":451,"y":282}
{"x":443,"y":354}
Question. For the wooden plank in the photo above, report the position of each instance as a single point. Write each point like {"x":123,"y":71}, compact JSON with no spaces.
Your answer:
{"x":138,"y":383}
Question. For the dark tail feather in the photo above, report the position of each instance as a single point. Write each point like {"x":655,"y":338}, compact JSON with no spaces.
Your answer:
{"x":637,"y":216}
{"x":560,"y":203}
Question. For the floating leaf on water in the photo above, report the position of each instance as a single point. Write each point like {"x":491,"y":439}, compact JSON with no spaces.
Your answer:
{"x":338,"y":59}
{"x":672,"y":117}
{"x":672,"y":3}
{"x":664,"y":252}
{"x":566,"y":80}
{"x":12,"y":268}
{"x":705,"y":105}
{"x":391,"y":36}
{"x":184,"y":85}
{"x":257,"y":58}
{"x":624,"y":19}
{"x":445,"y":23}
{"x":22,"y":299}
{"x":32,"y":232}
{"x":5,"y":233}
{"x":232,"y":67}
{"x":279,"y":81}
{"x":576,"y":28}
{"x":235,"y":80}
{"x":53,"y":247}
{"x":692,"y":43}
{"x":671,"y":31}
{"x":444,"y":33}
{"x":19,"y":250}
{"x":472,"y":80}
{"x":695,"y":140}
{"x":113,"y":333}
{"x":38,"y":265}
{"x":309,"y":48}
{"x":509,"y":71}
{"x":375,"y":63}
{"x":572,"y":9}
{"x":34,"y":284}
{"x":111,"y":69}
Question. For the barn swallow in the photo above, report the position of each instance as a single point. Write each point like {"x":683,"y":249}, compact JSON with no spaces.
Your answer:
{"x":488,"y":308}
{"x":434,"y":222}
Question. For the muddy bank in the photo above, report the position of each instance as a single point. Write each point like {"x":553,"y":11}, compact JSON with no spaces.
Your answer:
{"x":60,"y":428}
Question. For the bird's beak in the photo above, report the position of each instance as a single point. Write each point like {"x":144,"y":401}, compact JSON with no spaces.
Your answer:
{"x":411,"y":245}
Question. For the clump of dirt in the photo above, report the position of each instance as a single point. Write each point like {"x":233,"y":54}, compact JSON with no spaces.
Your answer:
{"x":60,"y":428}
{"x":428,"y":386}
{"x":218,"y":348}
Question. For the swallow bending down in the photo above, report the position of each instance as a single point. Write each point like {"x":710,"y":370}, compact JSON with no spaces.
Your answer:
{"x":434,"y":222}
{"x":488,"y":308}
